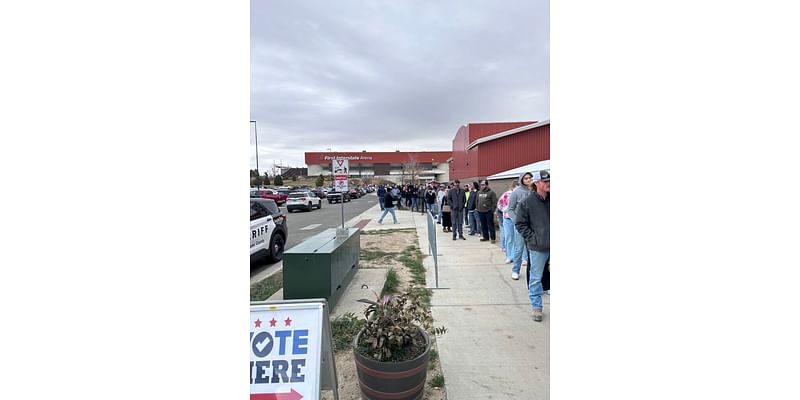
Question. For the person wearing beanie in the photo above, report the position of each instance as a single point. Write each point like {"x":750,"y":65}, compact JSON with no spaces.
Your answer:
{"x":517,"y":248}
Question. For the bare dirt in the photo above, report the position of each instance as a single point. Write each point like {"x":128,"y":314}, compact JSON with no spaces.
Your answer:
{"x":393,"y":243}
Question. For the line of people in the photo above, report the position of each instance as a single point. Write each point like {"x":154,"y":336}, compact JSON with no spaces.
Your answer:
{"x":523,"y":214}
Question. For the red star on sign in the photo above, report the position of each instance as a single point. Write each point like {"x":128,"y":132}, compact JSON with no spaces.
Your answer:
{"x":272,"y":322}
{"x":287,"y":321}
{"x":258,"y":323}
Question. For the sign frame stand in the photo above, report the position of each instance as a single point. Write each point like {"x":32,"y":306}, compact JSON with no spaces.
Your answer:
{"x":341,"y":173}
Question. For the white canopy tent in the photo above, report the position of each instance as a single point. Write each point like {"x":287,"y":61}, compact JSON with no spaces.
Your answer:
{"x":514,"y":173}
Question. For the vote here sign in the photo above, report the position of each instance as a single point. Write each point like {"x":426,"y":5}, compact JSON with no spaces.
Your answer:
{"x":285,"y":343}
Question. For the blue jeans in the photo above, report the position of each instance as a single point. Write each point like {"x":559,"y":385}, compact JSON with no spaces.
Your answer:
{"x":388,"y":210}
{"x":508,"y":237}
{"x":538,"y":259}
{"x":517,"y":250}
{"x":473,"y":221}
{"x":414,"y":203}
{"x":432,"y":210}
{"x":380,"y":201}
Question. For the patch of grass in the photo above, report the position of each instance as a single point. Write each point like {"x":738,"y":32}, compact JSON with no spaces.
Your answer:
{"x":343,"y":329}
{"x":392,"y":281}
{"x":412,"y":259}
{"x":374,"y":255}
{"x":267,"y":287}
{"x":437,"y":381}
{"x":389,"y":231}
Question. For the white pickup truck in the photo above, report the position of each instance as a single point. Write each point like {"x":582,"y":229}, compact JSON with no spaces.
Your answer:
{"x":268,"y":230}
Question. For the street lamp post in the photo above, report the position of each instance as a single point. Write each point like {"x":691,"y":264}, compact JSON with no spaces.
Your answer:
{"x":255,"y":125}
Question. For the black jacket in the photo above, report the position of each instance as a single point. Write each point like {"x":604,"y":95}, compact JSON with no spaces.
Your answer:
{"x":430,"y":196}
{"x":533,"y":221}
{"x":388,"y":201}
{"x":473,"y":200}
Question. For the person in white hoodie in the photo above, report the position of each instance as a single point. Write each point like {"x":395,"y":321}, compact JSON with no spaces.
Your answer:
{"x":518,"y":248}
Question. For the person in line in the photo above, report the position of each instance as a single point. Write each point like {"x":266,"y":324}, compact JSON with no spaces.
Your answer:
{"x":472,"y":202}
{"x":517,"y":243}
{"x":407,"y":195}
{"x":467,"y":193}
{"x":507,"y":227}
{"x":466,"y":199}
{"x":430,"y":200}
{"x":533,"y":223}
{"x":487,"y":201}
{"x":414,"y":198}
{"x":389,"y":204}
{"x":498,"y":223}
{"x":381,"y":195}
{"x":457,"y":199}
{"x":421,"y":195}
{"x":444,"y":205}
{"x":439,"y":196}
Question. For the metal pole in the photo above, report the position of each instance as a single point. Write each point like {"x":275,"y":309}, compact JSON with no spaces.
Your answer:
{"x":343,"y":209}
{"x":255,"y":125}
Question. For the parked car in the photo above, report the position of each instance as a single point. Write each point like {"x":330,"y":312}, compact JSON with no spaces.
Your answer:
{"x":268,"y":230}
{"x":336,"y":197}
{"x":355,"y":193}
{"x":303,"y":200}
{"x":319,"y":193}
{"x":279,"y":198}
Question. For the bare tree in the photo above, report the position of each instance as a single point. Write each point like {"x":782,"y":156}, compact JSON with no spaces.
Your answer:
{"x":412,"y":168}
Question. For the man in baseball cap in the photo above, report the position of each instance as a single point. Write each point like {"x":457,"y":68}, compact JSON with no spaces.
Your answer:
{"x":533,"y":223}
{"x":543,"y":176}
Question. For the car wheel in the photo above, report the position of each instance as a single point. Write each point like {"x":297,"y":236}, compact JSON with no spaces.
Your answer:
{"x":276,"y":247}
{"x":319,"y":205}
{"x":309,"y":207}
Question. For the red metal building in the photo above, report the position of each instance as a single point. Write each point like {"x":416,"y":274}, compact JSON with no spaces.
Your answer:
{"x":483,"y":149}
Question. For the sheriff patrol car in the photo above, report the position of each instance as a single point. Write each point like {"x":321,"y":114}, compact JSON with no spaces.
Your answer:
{"x":268,"y":230}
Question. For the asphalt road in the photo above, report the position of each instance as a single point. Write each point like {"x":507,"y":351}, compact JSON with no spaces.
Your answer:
{"x":304,"y":224}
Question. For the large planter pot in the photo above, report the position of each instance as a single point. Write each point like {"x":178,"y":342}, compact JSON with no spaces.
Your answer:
{"x":403,"y":380}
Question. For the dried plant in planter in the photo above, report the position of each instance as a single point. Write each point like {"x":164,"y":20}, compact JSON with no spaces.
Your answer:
{"x":393,"y":328}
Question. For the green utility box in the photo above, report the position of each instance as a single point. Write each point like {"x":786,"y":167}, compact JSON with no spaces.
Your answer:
{"x":321,"y":266}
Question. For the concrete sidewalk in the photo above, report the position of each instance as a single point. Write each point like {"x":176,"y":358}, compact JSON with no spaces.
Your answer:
{"x":492,"y":348}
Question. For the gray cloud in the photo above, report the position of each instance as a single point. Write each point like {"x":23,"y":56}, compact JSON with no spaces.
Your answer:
{"x":384,"y":76}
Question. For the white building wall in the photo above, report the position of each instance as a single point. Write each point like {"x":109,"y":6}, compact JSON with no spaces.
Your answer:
{"x":315,"y":170}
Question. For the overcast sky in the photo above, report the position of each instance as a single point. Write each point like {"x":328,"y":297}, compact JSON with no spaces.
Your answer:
{"x":391,"y":75}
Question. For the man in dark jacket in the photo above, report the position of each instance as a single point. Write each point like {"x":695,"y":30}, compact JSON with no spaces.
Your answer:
{"x":487,"y":204}
{"x":457,"y":198}
{"x":430,"y":200}
{"x":472,"y":202}
{"x":533,"y":223}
